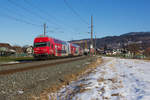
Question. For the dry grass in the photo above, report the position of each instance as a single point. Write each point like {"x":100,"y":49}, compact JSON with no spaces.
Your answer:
{"x":101,"y":80}
{"x":51,"y":92}
{"x":113,"y":80}
{"x":81,"y":88}
{"x":105,"y":98}
{"x":115,"y":94}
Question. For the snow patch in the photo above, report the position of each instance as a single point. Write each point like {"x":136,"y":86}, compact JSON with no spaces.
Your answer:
{"x":116,"y":79}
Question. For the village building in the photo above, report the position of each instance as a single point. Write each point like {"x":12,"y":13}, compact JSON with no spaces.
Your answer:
{"x":6,"y":49}
{"x":28,"y":50}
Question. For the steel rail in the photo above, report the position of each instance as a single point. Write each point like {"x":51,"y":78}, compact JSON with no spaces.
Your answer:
{"x":31,"y":61}
{"x":12,"y":71}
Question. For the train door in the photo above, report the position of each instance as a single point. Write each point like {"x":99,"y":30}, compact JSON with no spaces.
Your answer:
{"x":63,"y":50}
{"x":66,"y":49}
{"x":77,"y":50}
{"x":69,"y":49}
{"x":56,"y":50}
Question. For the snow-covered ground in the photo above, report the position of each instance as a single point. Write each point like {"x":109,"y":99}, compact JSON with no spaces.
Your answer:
{"x":115,"y":79}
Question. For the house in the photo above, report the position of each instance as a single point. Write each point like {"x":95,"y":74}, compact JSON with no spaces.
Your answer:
{"x":18,"y":49}
{"x":28,"y":49}
{"x":6,"y":49}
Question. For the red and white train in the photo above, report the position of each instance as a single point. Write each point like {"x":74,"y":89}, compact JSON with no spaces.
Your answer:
{"x":47,"y":47}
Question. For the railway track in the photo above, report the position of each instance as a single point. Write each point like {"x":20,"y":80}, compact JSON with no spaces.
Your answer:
{"x":31,"y":67}
{"x":9,"y":64}
{"x":31,"y":61}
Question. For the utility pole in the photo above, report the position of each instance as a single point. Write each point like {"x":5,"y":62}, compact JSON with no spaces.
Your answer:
{"x":95,"y":44}
{"x":44,"y":29}
{"x":86,"y":47}
{"x":91,"y":47}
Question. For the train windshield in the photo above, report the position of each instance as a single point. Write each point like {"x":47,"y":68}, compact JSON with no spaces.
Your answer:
{"x":41,"y":44}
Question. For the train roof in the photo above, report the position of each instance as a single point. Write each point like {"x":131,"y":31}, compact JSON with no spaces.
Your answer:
{"x":55,"y":40}
{"x":75,"y":45}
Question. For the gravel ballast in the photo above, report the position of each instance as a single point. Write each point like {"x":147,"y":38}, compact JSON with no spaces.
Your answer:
{"x":21,"y":85}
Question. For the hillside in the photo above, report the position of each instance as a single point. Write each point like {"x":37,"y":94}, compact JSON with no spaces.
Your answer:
{"x":142,"y":38}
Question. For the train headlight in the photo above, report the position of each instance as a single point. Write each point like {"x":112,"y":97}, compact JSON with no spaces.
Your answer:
{"x":51,"y":51}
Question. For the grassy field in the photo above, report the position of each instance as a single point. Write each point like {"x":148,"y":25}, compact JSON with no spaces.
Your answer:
{"x":7,"y":59}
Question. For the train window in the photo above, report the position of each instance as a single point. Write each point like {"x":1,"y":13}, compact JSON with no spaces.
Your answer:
{"x":52,"y":46}
{"x":58,"y":41}
{"x":41,"y":44}
{"x":48,"y":44}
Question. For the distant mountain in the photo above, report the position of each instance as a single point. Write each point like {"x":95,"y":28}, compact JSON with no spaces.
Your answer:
{"x":142,"y":38}
{"x":136,"y":33}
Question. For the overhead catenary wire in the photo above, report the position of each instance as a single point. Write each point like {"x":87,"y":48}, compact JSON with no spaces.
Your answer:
{"x":20,"y":20}
{"x":39,"y":9}
{"x":75,"y":12}
{"x":23,"y":19}
{"x":42,"y":11}
{"x":45,"y":13}
{"x":17,"y":14}
{"x":14,"y":18}
{"x":30,"y":12}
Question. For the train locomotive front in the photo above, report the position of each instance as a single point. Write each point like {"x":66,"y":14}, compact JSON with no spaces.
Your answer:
{"x":43,"y":47}
{"x":47,"y":47}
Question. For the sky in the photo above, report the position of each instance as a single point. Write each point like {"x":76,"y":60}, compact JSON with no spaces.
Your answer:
{"x":22,"y":20}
